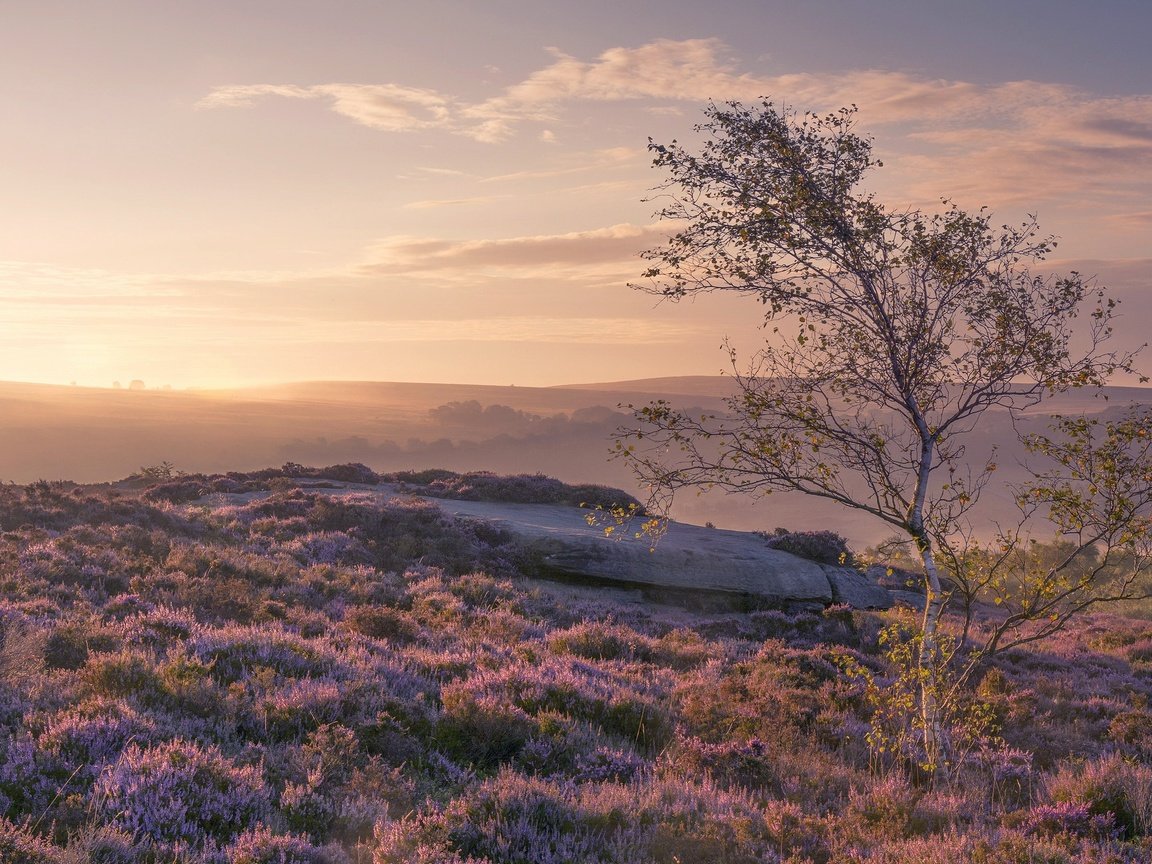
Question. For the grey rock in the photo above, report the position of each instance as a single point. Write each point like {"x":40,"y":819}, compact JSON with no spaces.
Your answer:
{"x":856,"y":589}
{"x":909,"y":598}
{"x":687,"y":558}
{"x":896,"y":578}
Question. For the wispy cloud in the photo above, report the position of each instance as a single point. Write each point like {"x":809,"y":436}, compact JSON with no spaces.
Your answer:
{"x":571,"y":255}
{"x":386,"y":107}
{"x":1003,"y":143}
{"x":433,"y":203}
{"x":577,"y":163}
{"x":663,"y":72}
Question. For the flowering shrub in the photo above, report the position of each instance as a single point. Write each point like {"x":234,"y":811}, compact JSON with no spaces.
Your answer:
{"x":178,"y":491}
{"x":1109,"y":787}
{"x":516,"y":489}
{"x":525,"y":821}
{"x":825,"y":547}
{"x":480,"y":729}
{"x":233,"y":652}
{"x":327,"y":547}
{"x":292,"y":676}
{"x":87,"y":738}
{"x":180,"y":792}
{"x":1067,"y":817}
{"x":261,"y":846}
{"x":20,"y":845}
{"x":382,"y":622}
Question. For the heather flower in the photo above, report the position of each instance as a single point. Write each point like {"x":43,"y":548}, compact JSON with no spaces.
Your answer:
{"x":1111,"y":786}
{"x":825,"y":547}
{"x":607,"y":764}
{"x":301,"y":705}
{"x":29,"y":777}
{"x":91,"y":736}
{"x":180,"y":792}
{"x":327,"y":547}
{"x":103,"y":844}
{"x":233,"y":651}
{"x":517,"y":820}
{"x":261,"y":846}
{"x":20,"y":846}
{"x":160,"y":626}
{"x":1073,"y":818}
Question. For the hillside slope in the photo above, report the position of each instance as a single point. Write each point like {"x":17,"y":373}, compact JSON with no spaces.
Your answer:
{"x":308,"y":679}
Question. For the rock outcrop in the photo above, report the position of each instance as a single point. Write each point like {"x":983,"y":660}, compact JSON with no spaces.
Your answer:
{"x":858,"y":590}
{"x":688,"y":560}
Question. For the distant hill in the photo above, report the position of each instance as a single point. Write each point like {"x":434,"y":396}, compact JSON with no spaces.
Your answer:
{"x":96,"y":434}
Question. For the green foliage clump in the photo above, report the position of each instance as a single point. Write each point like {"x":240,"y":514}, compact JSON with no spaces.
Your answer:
{"x":823,"y":547}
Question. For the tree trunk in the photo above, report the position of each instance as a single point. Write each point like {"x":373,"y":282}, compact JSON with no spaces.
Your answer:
{"x":936,"y":744}
{"x":937,"y":751}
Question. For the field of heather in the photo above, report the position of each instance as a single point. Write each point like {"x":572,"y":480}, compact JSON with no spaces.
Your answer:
{"x":243,"y":669}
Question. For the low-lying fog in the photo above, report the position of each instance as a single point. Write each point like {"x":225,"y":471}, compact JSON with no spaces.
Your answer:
{"x":92,"y":435}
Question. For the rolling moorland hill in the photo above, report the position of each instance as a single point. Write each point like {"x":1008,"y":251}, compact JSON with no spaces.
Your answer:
{"x":250,"y":669}
{"x":91,"y":435}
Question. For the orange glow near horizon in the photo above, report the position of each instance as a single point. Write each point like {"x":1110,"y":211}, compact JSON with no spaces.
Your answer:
{"x":197,"y":198}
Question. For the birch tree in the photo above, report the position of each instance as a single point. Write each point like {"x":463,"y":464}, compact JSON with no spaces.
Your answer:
{"x":888,"y":333}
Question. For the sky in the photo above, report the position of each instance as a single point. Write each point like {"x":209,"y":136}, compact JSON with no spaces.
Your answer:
{"x":233,"y":192}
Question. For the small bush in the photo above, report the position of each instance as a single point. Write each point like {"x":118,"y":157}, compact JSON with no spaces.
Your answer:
{"x":20,"y":846}
{"x":1112,"y":786}
{"x":1070,"y":818}
{"x":513,"y":489}
{"x":824,"y":547}
{"x":180,"y":792}
{"x":596,"y":640}
{"x":261,"y":846}
{"x":102,"y":844}
{"x":347,"y":472}
{"x":177,"y":491}
{"x":481,"y":730}
{"x":381,"y":622}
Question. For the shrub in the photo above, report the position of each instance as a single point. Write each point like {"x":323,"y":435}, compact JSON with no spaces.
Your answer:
{"x":102,"y":844}
{"x":479,"y":729}
{"x":776,"y":695}
{"x":514,"y":489}
{"x":70,"y":642}
{"x":126,"y":673}
{"x":347,"y":472}
{"x":93,"y":735}
{"x":381,"y":622}
{"x":299,"y":707}
{"x":582,"y":692}
{"x":597,"y":640}
{"x":177,"y":491}
{"x":1134,"y":729}
{"x":160,"y":627}
{"x":180,"y":792}
{"x":824,"y":547}
{"x":1067,"y":818}
{"x":19,"y":845}
{"x":731,"y":764}
{"x":328,"y":547}
{"x":517,"y":820}
{"x":261,"y":846}
{"x":232,"y":652}
{"x":1107,"y":786}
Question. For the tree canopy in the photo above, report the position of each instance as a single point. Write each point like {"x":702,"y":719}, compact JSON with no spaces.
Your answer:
{"x":889,"y":332}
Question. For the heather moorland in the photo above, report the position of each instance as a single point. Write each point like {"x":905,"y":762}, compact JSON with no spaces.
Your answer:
{"x":249,"y":668}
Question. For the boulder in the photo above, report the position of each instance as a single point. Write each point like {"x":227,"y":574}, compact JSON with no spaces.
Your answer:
{"x":688,"y":559}
{"x":905,"y":587}
{"x":856,"y":589}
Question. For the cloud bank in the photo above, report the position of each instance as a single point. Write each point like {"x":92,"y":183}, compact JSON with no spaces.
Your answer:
{"x":1011,"y":142}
